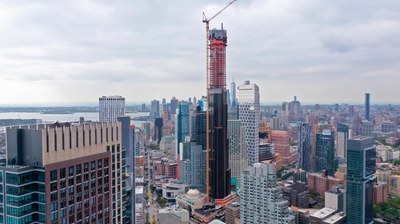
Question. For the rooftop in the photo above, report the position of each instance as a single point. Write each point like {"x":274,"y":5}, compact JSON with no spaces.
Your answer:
{"x":323,"y":213}
{"x":334,"y":218}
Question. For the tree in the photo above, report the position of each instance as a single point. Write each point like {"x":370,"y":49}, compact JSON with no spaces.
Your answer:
{"x":162,"y":201}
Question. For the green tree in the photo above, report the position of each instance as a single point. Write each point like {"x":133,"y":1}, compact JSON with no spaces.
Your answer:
{"x":162,"y":201}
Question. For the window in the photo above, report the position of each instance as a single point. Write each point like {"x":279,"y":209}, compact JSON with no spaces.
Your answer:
{"x":62,"y":173}
{"x":53,"y":175}
{"x":78,"y":169}
{"x":71,"y":171}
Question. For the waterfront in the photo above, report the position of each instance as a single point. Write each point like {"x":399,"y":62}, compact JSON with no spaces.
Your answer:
{"x":50,"y":118}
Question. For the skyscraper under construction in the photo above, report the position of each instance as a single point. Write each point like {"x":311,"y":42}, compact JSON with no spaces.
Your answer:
{"x":219,"y":176}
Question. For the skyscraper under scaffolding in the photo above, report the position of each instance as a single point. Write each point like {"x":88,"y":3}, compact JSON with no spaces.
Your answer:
{"x":219,"y":177}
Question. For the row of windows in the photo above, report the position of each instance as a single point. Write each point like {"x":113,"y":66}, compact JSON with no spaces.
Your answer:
{"x":69,"y":142}
{"x":76,"y":170}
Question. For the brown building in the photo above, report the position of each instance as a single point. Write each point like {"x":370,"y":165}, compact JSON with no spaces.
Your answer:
{"x":232,"y":213}
{"x":83,"y":172}
{"x":380,"y":192}
{"x":281,"y":140}
{"x":321,"y":183}
{"x":394,"y":185}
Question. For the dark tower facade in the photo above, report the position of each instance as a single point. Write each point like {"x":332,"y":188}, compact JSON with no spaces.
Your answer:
{"x":219,"y":177}
{"x":367,"y":113}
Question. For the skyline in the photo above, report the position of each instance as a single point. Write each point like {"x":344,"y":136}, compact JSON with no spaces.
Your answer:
{"x":309,"y":49}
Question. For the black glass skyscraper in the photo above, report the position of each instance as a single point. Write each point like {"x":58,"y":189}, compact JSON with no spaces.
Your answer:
{"x":361,"y":167}
{"x":326,"y":152}
{"x":305,"y":139}
{"x":219,"y":176}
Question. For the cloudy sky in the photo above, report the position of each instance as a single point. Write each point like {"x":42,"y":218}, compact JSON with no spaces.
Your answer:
{"x":63,"y":52}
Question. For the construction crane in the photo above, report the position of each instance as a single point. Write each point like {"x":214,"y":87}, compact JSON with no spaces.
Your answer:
{"x":207,"y":22}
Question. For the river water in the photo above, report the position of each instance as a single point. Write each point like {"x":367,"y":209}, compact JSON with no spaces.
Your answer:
{"x":50,"y":118}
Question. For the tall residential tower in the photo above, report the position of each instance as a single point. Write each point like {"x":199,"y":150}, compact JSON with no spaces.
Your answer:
{"x":219,"y":176}
{"x":249,"y":116}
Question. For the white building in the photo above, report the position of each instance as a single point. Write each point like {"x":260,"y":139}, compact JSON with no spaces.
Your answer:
{"x":261,"y":199}
{"x":249,"y":116}
{"x":167,"y":145}
{"x":172,"y":189}
{"x":111,"y":107}
{"x":237,"y":150}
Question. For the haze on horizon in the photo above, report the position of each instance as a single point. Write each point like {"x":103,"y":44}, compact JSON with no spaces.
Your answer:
{"x":63,"y":52}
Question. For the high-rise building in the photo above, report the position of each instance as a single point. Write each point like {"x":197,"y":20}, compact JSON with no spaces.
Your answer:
{"x":228,"y":99}
{"x":155,"y":109}
{"x":367,"y":129}
{"x":173,"y":105}
{"x":260,"y":198}
{"x":305,"y":154}
{"x":181,"y":128}
{"x":325,"y":152}
{"x":249,"y":115}
{"x":158,"y":126}
{"x":342,"y":137}
{"x":199,"y":132}
{"x":388,"y":127}
{"x":64,"y":173}
{"x":164,"y":104}
{"x":233,"y":94}
{"x":181,"y":123}
{"x":237,"y":151}
{"x":361,"y":167}
{"x":111,"y":107}
{"x":219,"y":174}
{"x":367,"y":107}
{"x":193,"y":165}
{"x":143,"y":107}
{"x":295,"y":106}
{"x":281,"y":141}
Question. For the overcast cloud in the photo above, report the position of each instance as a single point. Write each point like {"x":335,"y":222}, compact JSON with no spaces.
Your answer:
{"x":75,"y":51}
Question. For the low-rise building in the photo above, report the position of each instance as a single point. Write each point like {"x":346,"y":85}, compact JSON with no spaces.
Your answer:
{"x":193,"y":199}
{"x":172,"y":189}
{"x":394,"y":185}
{"x":232,"y":213}
{"x":380,"y":192}
{"x":336,"y":199}
{"x":321,"y":183}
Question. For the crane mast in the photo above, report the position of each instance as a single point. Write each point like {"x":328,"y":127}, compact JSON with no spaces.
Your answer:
{"x":207,"y":22}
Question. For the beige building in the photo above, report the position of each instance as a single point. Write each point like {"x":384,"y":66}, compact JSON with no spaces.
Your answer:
{"x":83,"y":167}
{"x":383,"y":174}
{"x":193,"y":198}
{"x":394,"y":185}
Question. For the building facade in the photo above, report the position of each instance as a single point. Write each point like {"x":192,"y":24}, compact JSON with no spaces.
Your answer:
{"x":305,"y":148}
{"x":219,"y":174}
{"x":341,"y":140}
{"x":155,"y":109}
{"x":237,"y":151}
{"x":260,"y":198}
{"x":65,"y":173}
{"x":110,"y":108}
{"x":361,"y":167}
{"x":325,"y":152}
{"x":367,"y":107}
{"x":249,"y":116}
